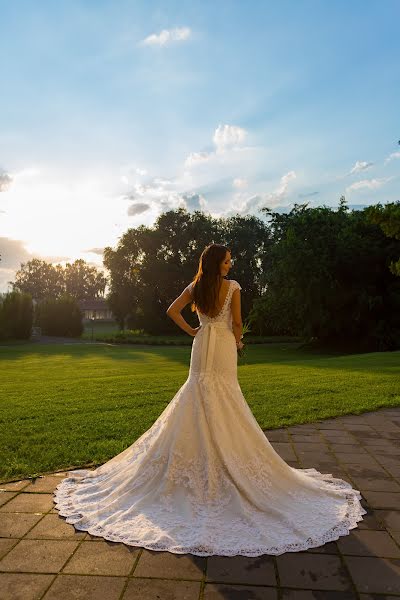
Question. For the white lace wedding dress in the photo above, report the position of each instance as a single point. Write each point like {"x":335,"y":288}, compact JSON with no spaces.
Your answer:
{"x":204,"y":479}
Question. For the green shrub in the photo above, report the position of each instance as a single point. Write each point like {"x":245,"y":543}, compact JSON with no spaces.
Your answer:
{"x":16,"y":315}
{"x":60,"y":316}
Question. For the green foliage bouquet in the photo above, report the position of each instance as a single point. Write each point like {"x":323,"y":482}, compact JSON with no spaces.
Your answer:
{"x":242,"y":351}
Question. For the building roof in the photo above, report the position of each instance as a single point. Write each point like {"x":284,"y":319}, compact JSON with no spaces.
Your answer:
{"x":96,"y":304}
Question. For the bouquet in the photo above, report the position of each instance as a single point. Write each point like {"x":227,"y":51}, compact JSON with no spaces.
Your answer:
{"x":241,"y":351}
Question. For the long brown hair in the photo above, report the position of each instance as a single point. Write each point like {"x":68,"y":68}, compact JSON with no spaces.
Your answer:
{"x":208,"y":280}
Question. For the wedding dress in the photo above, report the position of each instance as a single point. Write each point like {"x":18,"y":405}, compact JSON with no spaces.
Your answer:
{"x":204,"y":479}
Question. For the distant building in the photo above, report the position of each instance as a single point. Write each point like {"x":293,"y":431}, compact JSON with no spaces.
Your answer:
{"x":95,"y":309}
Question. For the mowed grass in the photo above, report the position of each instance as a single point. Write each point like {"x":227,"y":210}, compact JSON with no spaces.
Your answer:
{"x":77,"y":405}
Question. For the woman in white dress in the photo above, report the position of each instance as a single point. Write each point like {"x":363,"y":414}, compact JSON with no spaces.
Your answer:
{"x":204,"y":479}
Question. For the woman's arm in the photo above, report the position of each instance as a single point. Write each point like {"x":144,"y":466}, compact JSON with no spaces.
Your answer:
{"x":174,"y":311}
{"x":237,"y":324}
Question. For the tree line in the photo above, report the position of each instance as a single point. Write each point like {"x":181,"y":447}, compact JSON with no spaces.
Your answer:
{"x":328,"y":275}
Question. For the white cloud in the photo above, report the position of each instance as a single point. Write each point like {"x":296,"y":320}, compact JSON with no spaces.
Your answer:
{"x":158,"y":196}
{"x":371,"y":184}
{"x":392,"y":156}
{"x":361,"y":166}
{"x":272,"y":199}
{"x":5,"y":181}
{"x":228,"y":136}
{"x":196,"y":158}
{"x":167,"y":36}
{"x":239,"y":183}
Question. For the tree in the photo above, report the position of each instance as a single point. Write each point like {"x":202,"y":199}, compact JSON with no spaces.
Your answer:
{"x":39,"y":278}
{"x":388,"y":218}
{"x":329,"y":279}
{"x":83,"y":281}
{"x":44,"y":280}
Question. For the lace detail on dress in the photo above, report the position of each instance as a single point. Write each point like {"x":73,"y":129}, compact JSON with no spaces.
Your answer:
{"x":204,"y":479}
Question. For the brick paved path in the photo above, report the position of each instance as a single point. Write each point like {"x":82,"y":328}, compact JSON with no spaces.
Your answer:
{"x":42,"y":556}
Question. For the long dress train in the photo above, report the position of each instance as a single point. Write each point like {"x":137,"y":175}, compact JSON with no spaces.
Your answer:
{"x":204,"y":479}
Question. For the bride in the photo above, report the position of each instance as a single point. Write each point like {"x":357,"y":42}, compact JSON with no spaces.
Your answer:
{"x":204,"y":479}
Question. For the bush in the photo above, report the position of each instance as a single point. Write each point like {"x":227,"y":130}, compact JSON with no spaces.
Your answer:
{"x":60,"y":316}
{"x":16,"y":315}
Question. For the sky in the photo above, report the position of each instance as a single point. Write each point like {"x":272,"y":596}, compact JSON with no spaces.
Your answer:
{"x":112,"y":112}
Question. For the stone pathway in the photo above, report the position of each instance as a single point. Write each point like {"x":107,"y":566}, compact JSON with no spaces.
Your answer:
{"x":42,"y":556}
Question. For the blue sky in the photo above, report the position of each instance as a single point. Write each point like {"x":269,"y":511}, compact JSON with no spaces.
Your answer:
{"x":113,"y":112}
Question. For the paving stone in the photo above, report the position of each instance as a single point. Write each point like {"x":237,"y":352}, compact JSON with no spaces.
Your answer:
{"x":153,"y":563}
{"x":347,"y":448}
{"x":369,"y":543}
{"x":34,"y":503}
{"x":332,"y":432}
{"x":303,"y":428}
{"x":368,"y":435}
{"x":312,"y":571}
{"x":317,"y":457}
{"x":383,"y":451}
{"x":345,"y":438}
{"x":294,"y":463}
{"x":14,"y":486}
{"x":85,"y":587}
{"x":353,"y":418}
{"x":391,"y":435}
{"x":377,"y":442}
{"x":47,"y":483}
{"x":394,"y":471}
{"x":378,"y":597}
{"x":39,"y":556}
{"x":311,"y":447}
{"x":395,"y":535}
{"x":102,"y":558}
{"x":376,"y":485}
{"x":277,"y":436}
{"x":389,"y":518}
{"x":333,"y":424}
{"x":374,"y":575}
{"x":355,"y":457}
{"x":370,"y":521}
{"x":257,"y":570}
{"x":162,"y":589}
{"x":284,"y":450}
{"x":316,"y":595}
{"x":5,"y":497}
{"x":329,"y":548}
{"x":358,"y":427}
{"x":387,"y":460}
{"x":311,"y":438}
{"x":6,"y":544}
{"x":52,"y":526}
{"x":223,"y":591}
{"x":367,"y":471}
{"x":16,"y":525}
{"x":383,"y":499}
{"x":23,"y":586}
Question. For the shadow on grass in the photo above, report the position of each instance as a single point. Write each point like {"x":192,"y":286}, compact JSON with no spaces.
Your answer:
{"x":292,"y":354}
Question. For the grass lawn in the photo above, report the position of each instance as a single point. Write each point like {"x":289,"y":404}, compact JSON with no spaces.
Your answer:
{"x":71,"y":406}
